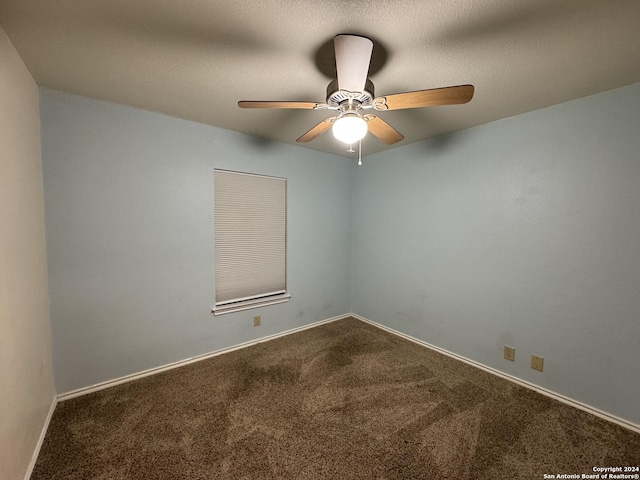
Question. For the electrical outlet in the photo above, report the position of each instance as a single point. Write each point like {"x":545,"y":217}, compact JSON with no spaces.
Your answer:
{"x":256,"y":321}
{"x":537,"y":363}
{"x":510,"y":353}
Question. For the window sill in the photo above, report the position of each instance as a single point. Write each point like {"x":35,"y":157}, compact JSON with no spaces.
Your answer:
{"x":248,"y":304}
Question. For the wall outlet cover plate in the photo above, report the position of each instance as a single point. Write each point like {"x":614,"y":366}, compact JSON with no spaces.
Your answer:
{"x":510,"y":353}
{"x":537,"y":363}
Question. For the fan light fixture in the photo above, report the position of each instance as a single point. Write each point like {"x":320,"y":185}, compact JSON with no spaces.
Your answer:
{"x":349,"y":128}
{"x":351,"y":95}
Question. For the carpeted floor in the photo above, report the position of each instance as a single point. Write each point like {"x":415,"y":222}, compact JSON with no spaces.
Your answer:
{"x":344,"y":400}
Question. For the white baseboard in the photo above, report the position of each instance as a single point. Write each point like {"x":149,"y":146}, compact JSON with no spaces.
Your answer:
{"x":43,"y":433}
{"x":549,"y":393}
{"x":152,"y":371}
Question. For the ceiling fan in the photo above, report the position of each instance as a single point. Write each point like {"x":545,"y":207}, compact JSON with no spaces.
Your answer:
{"x":352,"y":95}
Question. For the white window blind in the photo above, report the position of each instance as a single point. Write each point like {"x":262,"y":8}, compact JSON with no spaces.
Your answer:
{"x":250,"y":234}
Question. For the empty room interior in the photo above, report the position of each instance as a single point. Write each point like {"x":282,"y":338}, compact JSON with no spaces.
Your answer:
{"x":301,"y":240}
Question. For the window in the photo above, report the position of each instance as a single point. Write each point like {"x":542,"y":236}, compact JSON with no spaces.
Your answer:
{"x":250,"y":223}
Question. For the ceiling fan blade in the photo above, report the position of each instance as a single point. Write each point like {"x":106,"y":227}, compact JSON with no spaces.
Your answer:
{"x":383,"y":130}
{"x":268,"y":104}
{"x":353,"y":55}
{"x":316,"y":131}
{"x":425,"y":98}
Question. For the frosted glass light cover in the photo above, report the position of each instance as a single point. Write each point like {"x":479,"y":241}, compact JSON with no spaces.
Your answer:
{"x":349,"y":129}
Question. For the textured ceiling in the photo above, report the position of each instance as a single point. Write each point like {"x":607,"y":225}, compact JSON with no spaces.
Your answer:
{"x":195,"y":59}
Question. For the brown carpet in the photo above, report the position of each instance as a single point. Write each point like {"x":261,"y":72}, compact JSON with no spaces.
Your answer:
{"x":344,"y":400}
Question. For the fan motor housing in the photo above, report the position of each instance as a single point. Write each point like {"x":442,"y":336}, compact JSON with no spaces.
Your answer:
{"x":335,"y":96}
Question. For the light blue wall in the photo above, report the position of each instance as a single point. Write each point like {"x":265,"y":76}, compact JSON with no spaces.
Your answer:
{"x":129,"y":214}
{"x":522,"y":232}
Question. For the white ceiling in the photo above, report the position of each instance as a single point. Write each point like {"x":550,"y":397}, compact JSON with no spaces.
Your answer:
{"x":195,"y":59}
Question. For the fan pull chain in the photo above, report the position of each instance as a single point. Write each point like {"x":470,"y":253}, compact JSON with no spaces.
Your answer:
{"x":350,"y":150}
{"x":359,"y":152}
